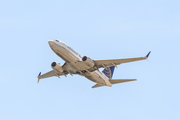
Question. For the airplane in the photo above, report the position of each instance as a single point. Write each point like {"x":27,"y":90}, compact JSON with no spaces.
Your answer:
{"x":85,"y":66}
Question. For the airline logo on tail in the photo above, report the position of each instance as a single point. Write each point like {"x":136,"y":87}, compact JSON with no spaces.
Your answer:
{"x":109,"y":71}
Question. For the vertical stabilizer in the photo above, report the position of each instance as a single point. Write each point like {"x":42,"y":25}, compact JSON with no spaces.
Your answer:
{"x":109,"y":71}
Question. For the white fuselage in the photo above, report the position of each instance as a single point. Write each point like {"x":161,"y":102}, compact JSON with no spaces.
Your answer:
{"x":75,"y":63}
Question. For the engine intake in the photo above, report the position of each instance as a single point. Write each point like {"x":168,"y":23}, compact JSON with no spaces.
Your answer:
{"x":88,"y":61}
{"x":57,"y":67}
{"x":53,"y":64}
{"x":84,"y":58}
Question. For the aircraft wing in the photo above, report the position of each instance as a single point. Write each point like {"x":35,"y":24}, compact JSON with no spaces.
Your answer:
{"x":49,"y":74}
{"x":114,"y":62}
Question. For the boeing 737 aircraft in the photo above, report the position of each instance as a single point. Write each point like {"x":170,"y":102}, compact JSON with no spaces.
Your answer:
{"x":85,"y":66}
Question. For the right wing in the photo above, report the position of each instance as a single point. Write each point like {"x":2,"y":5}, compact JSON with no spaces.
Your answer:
{"x":49,"y":74}
{"x":114,"y":62}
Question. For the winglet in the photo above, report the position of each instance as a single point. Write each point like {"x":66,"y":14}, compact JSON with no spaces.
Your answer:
{"x":148,"y":54}
{"x":39,"y":74}
{"x":38,"y":77}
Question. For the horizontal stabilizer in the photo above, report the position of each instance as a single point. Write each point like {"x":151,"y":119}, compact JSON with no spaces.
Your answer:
{"x":97,"y":85}
{"x":115,"y":81}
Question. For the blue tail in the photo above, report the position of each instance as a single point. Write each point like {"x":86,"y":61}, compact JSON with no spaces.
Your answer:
{"x":109,"y":71}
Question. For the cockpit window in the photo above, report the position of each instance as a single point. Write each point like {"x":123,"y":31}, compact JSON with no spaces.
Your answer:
{"x":57,"y":40}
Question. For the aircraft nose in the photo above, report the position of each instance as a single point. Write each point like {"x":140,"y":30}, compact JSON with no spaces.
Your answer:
{"x":50,"y":42}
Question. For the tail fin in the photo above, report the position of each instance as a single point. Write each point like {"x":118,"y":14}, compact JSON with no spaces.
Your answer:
{"x":109,"y":71}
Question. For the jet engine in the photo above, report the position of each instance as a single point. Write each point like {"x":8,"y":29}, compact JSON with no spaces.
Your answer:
{"x":57,"y":67}
{"x":88,"y":61}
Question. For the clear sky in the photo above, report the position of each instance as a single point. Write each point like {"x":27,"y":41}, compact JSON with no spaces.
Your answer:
{"x":100,"y":29}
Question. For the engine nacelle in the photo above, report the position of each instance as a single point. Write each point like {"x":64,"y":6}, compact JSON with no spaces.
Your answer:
{"x":88,"y":61}
{"x":57,"y":67}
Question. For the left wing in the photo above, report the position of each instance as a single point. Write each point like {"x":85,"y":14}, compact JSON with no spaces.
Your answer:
{"x":114,"y":62}
{"x":49,"y":74}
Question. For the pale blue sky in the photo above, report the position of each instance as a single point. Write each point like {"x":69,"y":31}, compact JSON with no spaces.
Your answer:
{"x":100,"y":29}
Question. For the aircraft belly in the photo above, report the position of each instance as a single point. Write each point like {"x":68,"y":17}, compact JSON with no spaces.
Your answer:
{"x":96,"y":78}
{"x":70,"y":58}
{"x":65,"y":54}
